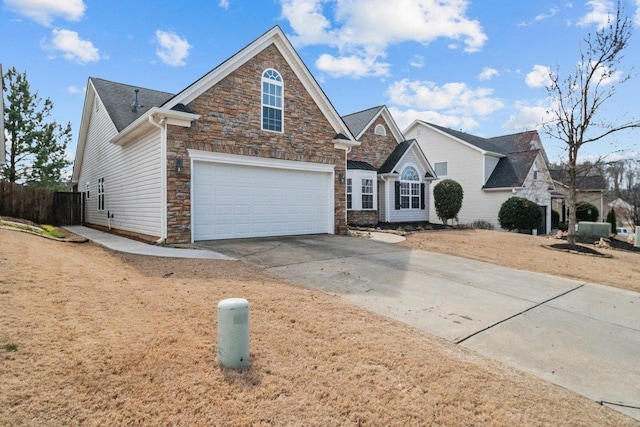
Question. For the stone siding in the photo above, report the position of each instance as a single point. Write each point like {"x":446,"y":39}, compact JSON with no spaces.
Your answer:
{"x":374,"y":149}
{"x":231,"y":123}
{"x":362,"y":218}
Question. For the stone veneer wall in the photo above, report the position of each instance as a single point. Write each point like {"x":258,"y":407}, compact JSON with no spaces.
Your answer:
{"x":374,"y":149}
{"x":231,"y":123}
{"x":362,"y":218}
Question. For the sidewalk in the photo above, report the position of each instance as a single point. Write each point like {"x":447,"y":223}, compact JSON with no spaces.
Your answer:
{"x":122,"y":244}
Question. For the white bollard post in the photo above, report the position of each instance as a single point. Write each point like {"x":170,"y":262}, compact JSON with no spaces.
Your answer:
{"x":233,"y":333}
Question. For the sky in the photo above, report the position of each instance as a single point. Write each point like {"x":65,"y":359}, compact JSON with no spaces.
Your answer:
{"x":476,"y":66}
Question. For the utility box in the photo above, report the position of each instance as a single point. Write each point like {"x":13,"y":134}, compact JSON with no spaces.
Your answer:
{"x":233,"y":333}
{"x":594,"y":229}
{"x":637,"y":239}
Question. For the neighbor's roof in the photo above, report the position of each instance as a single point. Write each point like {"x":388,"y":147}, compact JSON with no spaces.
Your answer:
{"x":118,"y":99}
{"x":357,"y":122}
{"x":511,"y":171}
{"x":584,"y":183}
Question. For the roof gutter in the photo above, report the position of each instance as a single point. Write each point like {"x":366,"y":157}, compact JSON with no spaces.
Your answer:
{"x":161,"y":123}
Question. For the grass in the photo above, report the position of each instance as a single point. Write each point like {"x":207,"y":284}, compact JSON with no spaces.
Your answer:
{"x":44,"y":229}
{"x":10,"y":347}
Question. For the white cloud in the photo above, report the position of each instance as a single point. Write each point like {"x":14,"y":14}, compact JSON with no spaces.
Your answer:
{"x":353,"y":66}
{"x":527,"y":116}
{"x":488,"y":73}
{"x":172,"y":49}
{"x":75,"y":90}
{"x":452,"y":98}
{"x":224,"y":4}
{"x":404,"y":118}
{"x":365,"y":28}
{"x":539,"y":76}
{"x":73,"y":48}
{"x":602,"y":11}
{"x":418,"y":60}
{"x":45,"y":11}
{"x":636,"y":18}
{"x":605,"y":76}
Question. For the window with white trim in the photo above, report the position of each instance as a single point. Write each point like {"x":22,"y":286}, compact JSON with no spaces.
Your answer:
{"x":410,"y":188}
{"x":272,"y":101}
{"x":349,"y":193}
{"x":367,"y":193}
{"x":440,"y":168}
{"x":535,"y":170}
{"x":88,"y":188}
{"x":100,"y":194}
{"x":380,"y":130}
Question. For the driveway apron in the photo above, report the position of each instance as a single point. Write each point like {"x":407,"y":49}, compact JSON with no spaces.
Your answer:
{"x":581,"y":336}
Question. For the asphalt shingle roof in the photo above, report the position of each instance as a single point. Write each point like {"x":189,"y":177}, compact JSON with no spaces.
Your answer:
{"x":394,"y":157}
{"x":357,"y":122}
{"x":356,"y":164}
{"x":589,"y":182}
{"x":511,"y":171}
{"x":118,"y":99}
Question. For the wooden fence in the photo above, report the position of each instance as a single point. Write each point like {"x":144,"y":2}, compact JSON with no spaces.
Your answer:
{"x":40,"y":206}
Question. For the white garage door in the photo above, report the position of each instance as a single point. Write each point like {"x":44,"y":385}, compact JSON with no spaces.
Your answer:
{"x":236,"y":201}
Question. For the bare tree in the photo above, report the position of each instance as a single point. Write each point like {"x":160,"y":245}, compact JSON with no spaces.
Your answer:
{"x":615,"y":171}
{"x":579,"y":96}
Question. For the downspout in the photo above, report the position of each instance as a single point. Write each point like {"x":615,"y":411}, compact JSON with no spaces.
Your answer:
{"x":386,"y":199}
{"x":161,"y":124}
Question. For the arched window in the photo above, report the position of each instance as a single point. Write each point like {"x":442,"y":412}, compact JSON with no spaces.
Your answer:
{"x":272,"y":104}
{"x":409,"y":188}
{"x":380,"y":130}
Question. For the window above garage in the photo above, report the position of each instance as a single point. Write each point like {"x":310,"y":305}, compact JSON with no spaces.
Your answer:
{"x":272,"y":100}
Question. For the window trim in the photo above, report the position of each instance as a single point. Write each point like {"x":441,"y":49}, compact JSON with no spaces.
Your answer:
{"x":371,"y":193}
{"x":277,"y":83}
{"x":357,"y":176}
{"x":380,"y":130}
{"x":410,"y":190}
{"x":101,"y":194}
{"x":446,"y":166}
{"x":349,"y":185}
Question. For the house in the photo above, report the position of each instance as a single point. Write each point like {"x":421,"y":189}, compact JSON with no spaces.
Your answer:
{"x":589,"y":189}
{"x":490,"y":170}
{"x":388,"y":178}
{"x":253,"y":148}
{"x":625,"y":212}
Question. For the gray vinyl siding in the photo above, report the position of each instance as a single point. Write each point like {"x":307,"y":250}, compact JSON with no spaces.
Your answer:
{"x":132,"y":178}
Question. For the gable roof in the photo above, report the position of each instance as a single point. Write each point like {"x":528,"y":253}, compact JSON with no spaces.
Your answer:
{"x":512,"y":171}
{"x":398,"y":153}
{"x":118,"y":99}
{"x":275,"y":36}
{"x":517,"y":153}
{"x":360,"y":121}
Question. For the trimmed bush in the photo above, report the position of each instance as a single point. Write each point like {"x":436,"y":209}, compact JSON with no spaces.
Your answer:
{"x":518,"y":213}
{"x":587,"y":212}
{"x":447,"y":199}
{"x":481,"y":224}
{"x":611,"y":219}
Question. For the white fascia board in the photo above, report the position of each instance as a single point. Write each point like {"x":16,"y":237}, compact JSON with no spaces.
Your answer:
{"x":235,"y":159}
{"x":345,"y":144}
{"x":502,"y":189}
{"x":276,"y":37}
{"x":142,"y":124}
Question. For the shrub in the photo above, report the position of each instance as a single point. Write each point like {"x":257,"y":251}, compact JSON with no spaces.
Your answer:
{"x":586,"y":212}
{"x":555,"y":218}
{"x":611,"y":219}
{"x":481,"y":224}
{"x":447,"y":199}
{"x":518,"y":213}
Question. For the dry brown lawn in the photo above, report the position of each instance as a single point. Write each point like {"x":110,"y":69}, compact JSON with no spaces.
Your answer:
{"x":531,"y":253}
{"x":91,"y":337}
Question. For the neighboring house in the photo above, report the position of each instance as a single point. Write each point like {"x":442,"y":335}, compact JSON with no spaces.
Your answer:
{"x":388,"y":178}
{"x":625,"y":213}
{"x":253,"y":148}
{"x":589,"y":189}
{"x":490,"y":170}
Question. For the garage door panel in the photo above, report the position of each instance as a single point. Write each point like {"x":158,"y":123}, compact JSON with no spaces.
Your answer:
{"x":232,"y":201}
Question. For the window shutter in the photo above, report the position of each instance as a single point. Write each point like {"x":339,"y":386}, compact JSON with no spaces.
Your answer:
{"x":422,"y":200}
{"x":397,"y":183}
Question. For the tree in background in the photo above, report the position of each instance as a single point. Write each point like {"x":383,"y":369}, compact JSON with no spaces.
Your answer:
{"x":447,"y":199}
{"x":35,"y":144}
{"x":580,"y":96}
{"x":611,"y":219}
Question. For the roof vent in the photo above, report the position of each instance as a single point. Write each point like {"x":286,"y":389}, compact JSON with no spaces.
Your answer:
{"x":136,"y":103}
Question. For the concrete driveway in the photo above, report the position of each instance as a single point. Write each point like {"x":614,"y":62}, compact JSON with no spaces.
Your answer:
{"x":581,"y":336}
